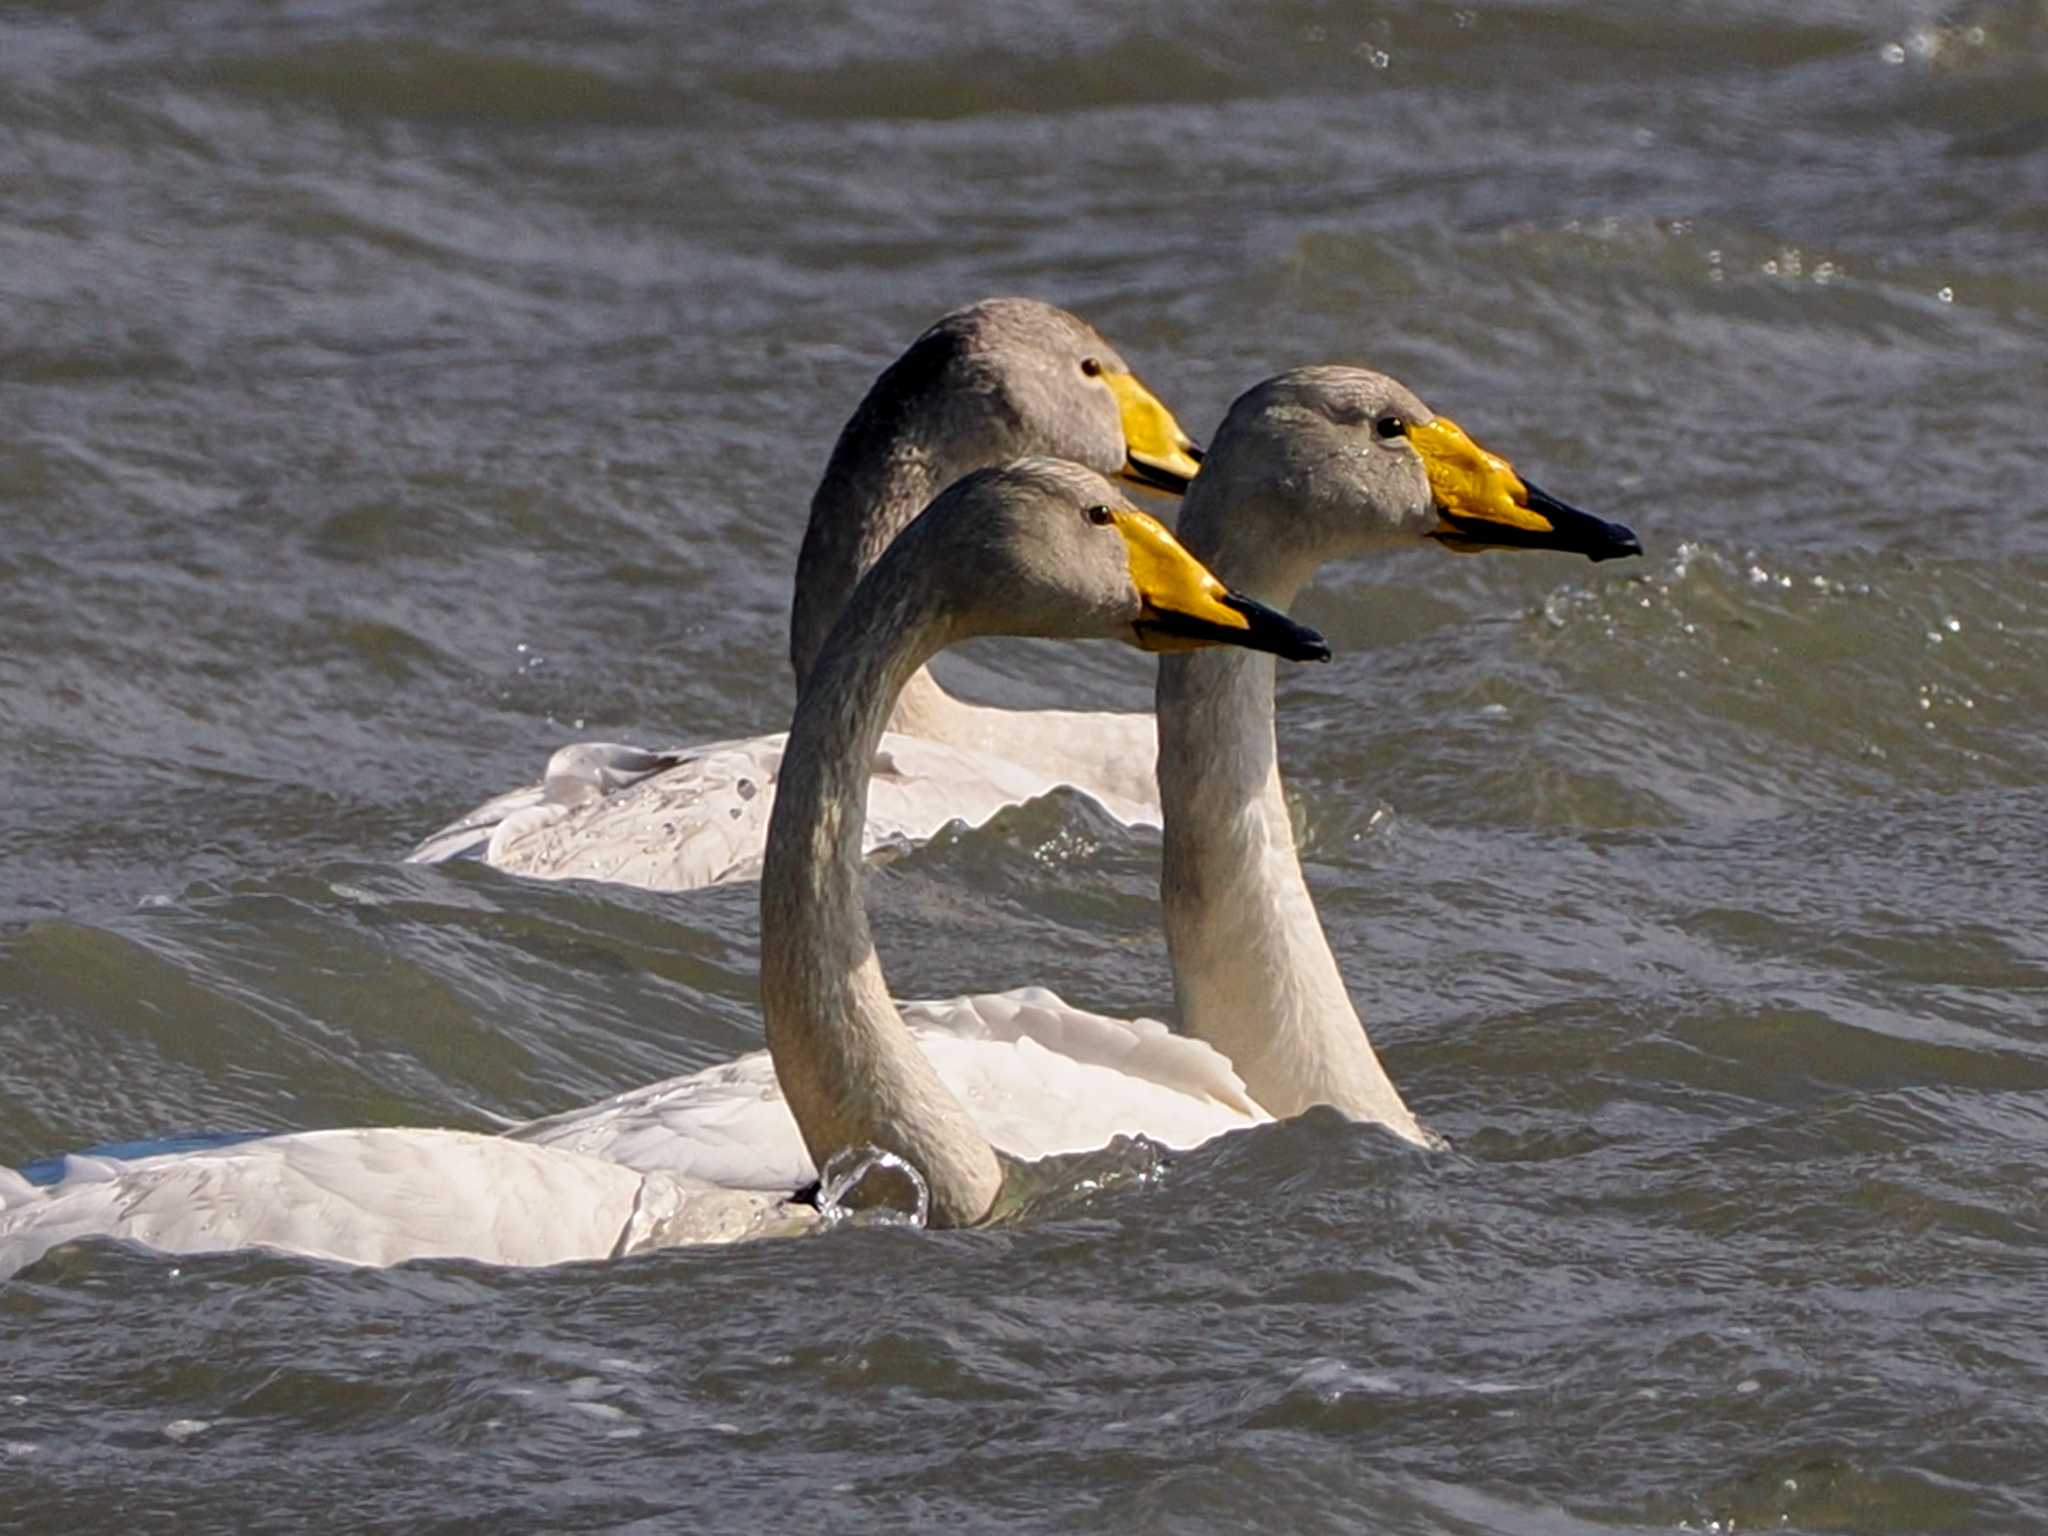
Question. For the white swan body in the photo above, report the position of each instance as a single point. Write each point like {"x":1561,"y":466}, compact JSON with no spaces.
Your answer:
{"x":383,"y":1196}
{"x":1042,"y":548}
{"x":1039,"y":1076}
{"x":994,"y":381}
{"x":698,"y":816}
{"x":707,"y":1158}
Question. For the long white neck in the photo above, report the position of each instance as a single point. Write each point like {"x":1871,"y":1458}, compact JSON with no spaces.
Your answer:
{"x":848,"y":1067}
{"x":1252,"y":970}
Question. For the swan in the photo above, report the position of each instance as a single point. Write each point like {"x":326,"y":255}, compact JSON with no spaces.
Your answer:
{"x":1042,"y":548}
{"x":997,"y":380}
{"x":1310,"y":466}
{"x":1314,"y":465}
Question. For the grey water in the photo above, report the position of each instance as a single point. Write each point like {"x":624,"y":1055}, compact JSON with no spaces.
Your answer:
{"x":390,"y":394}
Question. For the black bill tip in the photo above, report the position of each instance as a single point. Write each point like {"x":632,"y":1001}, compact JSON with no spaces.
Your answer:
{"x":1265,"y":629}
{"x":1268,"y":629}
{"x":1581,"y":533}
{"x":1571,"y":531}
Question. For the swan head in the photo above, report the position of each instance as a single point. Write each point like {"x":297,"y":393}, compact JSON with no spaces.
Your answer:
{"x":1351,"y":461}
{"x":998,"y":380}
{"x":1008,"y":378}
{"x":1049,"y":549}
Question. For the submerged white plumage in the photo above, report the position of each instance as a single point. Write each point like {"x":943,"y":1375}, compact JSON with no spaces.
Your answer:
{"x":707,"y":1158}
{"x":1043,"y":548}
{"x":1039,"y":1076}
{"x":383,"y":1196}
{"x":998,"y":380}
{"x":678,"y":821}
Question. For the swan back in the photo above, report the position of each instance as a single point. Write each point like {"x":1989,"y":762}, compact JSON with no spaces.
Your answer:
{"x":382,"y":1196}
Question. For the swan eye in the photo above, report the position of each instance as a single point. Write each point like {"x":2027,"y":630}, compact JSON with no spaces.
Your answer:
{"x":1390,"y":426}
{"x":1100,"y":515}
{"x":1092,"y":367}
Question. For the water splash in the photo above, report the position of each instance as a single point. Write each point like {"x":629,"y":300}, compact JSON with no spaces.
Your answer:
{"x":864,"y":1184}
{"x":1053,"y":1186}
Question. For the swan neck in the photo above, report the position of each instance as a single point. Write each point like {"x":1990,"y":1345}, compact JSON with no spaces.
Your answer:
{"x":865,"y":499}
{"x":1241,"y":535}
{"x":1253,"y":972}
{"x":847,"y":1065}
{"x":924,"y":708}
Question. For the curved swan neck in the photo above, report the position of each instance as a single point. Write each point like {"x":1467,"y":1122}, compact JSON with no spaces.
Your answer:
{"x":847,"y":1065}
{"x":922,"y":425}
{"x":924,"y":708}
{"x":886,"y":467}
{"x":1252,"y":969}
{"x":864,"y":501}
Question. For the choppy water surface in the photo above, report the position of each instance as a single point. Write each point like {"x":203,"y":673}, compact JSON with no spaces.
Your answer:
{"x":387,"y":393}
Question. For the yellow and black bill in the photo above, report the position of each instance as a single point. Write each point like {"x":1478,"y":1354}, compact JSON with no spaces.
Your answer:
{"x":1182,"y":606}
{"x":1157,"y":453}
{"x":1481,"y":503}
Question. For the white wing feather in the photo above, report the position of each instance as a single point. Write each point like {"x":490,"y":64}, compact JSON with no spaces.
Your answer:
{"x":675,"y":821}
{"x":382,"y":1196}
{"x":1040,"y":1077}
